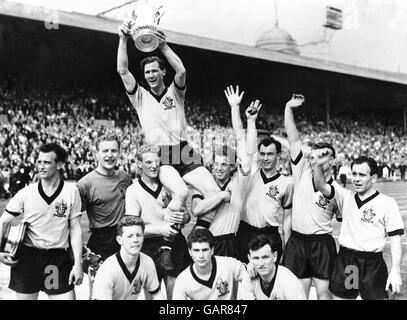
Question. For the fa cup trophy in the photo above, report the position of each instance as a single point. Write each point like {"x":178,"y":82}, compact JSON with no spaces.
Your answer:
{"x":143,"y":26}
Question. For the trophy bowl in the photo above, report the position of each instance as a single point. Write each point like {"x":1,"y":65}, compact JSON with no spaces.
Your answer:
{"x":147,"y":38}
{"x":145,"y":32}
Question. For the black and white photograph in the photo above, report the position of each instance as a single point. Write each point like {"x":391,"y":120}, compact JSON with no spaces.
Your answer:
{"x":209,"y":150}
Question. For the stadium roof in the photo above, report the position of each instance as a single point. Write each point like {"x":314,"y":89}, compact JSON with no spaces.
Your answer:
{"x":107,"y":15}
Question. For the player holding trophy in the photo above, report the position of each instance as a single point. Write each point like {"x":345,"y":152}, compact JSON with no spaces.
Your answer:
{"x":161,"y":110}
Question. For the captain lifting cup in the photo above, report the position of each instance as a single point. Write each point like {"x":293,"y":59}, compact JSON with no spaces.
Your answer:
{"x":144,"y":26}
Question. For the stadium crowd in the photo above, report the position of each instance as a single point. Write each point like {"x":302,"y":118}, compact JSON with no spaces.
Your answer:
{"x":42,"y":115}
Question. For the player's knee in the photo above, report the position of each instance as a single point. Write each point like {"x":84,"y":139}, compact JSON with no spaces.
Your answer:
{"x":181,"y":193}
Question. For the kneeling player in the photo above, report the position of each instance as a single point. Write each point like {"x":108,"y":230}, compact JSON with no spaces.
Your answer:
{"x":274,"y":282}
{"x":123,"y":275}
{"x":209,"y":277}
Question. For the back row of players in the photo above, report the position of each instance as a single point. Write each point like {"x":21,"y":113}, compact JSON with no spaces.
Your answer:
{"x":240,"y":206}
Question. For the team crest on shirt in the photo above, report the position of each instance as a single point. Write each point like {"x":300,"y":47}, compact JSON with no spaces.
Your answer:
{"x":368,"y":215}
{"x":273,"y":192}
{"x":222,"y":287}
{"x":137,"y":284}
{"x":168,"y":103}
{"x":322,"y":202}
{"x":60,"y":209}
{"x":166,"y":199}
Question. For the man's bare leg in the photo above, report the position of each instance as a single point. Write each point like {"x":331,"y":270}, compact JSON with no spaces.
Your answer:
{"x":27,"y":296}
{"x":306,"y":284}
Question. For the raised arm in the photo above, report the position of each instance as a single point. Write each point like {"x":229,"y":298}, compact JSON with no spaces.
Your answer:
{"x":322,"y":157}
{"x":251,"y":114}
{"x":234,"y":99}
{"x":122,"y":59}
{"x":289,"y":123}
{"x":175,"y":63}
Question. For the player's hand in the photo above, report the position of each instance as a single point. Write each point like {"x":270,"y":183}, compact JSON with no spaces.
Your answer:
{"x":6,"y":259}
{"x":167,"y":231}
{"x":76,"y":275}
{"x":252,"y":111}
{"x":226,"y":195}
{"x":394,"y":282}
{"x":321,"y":156}
{"x":187,"y":217}
{"x":251,"y":270}
{"x":125,"y":29}
{"x":296,"y":101}
{"x":161,"y":38}
{"x":173,"y":216}
{"x":233,"y":96}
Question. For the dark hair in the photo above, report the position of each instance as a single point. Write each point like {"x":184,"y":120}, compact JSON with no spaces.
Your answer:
{"x":152,"y":59}
{"x":369,"y":161}
{"x":260,"y":241}
{"x":226,"y":151}
{"x":200,"y":235}
{"x":323,"y":145}
{"x":128,"y":221}
{"x":268,"y":141}
{"x":54,"y":147}
{"x":107,"y":137}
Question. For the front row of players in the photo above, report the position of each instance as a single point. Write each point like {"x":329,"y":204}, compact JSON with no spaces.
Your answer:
{"x":131,"y":273}
{"x":247,"y":206}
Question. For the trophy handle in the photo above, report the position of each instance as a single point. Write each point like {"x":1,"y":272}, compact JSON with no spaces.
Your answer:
{"x":158,"y":15}
{"x":134,"y":15}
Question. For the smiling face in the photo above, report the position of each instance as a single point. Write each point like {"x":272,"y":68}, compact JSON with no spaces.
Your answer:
{"x":154,"y":76}
{"x":107,"y":155}
{"x":222,"y":168}
{"x":268,"y":156}
{"x":131,"y":239}
{"x":361,"y":178}
{"x":263,"y":260}
{"x":150,"y":165}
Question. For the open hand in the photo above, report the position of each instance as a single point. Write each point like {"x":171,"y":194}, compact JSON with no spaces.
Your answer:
{"x":233,"y":96}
